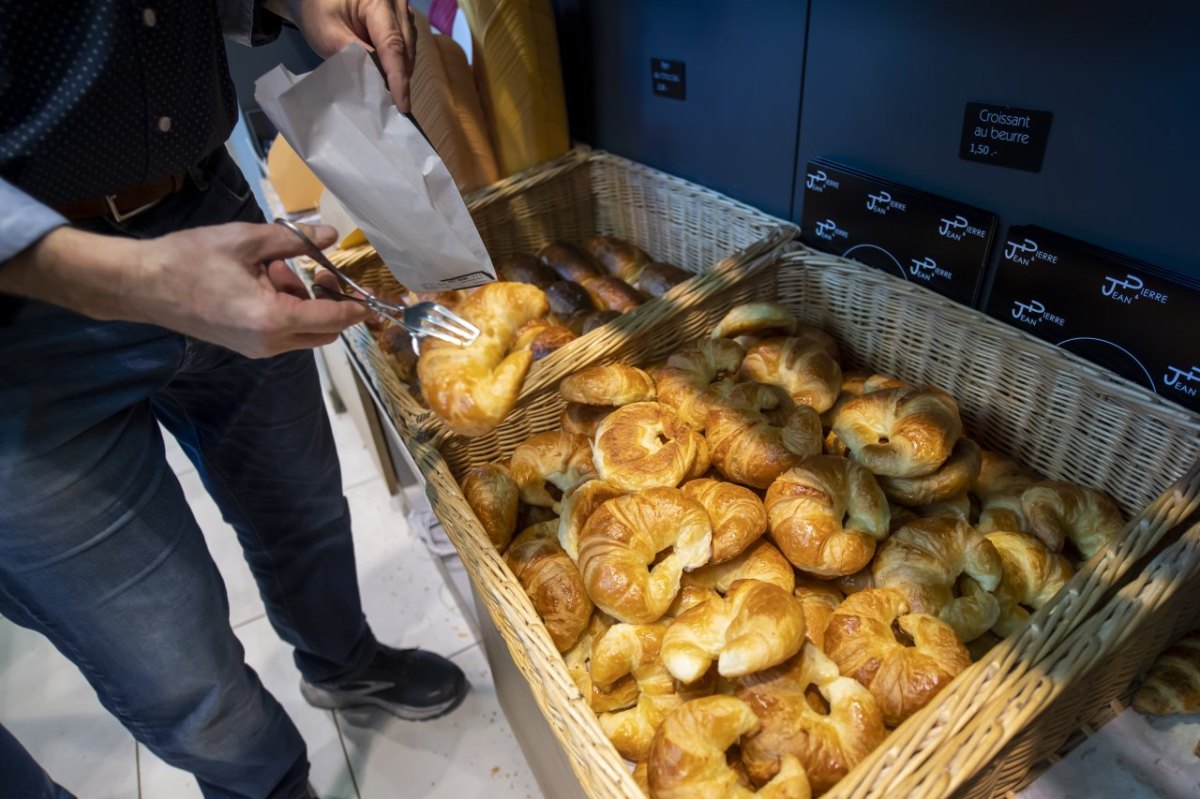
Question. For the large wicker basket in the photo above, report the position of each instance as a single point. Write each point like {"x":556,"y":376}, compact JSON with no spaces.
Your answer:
{"x":1049,"y":409}
{"x":583,"y":194}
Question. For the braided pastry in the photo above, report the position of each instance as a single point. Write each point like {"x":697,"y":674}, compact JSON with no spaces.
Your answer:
{"x":1032,"y":576}
{"x":758,"y":319}
{"x":761,"y":562}
{"x":619,"y":258}
{"x":473,"y":388}
{"x":756,"y":626}
{"x":554,"y":459}
{"x":999,"y":487}
{"x":804,"y":365}
{"x":622,"y":539}
{"x":614,"y":384}
{"x":826,"y":515}
{"x":645,"y":444}
{"x":583,"y":419}
{"x":738,"y":516}
{"x":827,"y":745}
{"x":688,"y":761}
{"x":494,"y":497}
{"x":923,"y":561}
{"x":951,"y":480}
{"x":900,"y":432}
{"x":755,"y":434}
{"x":1057,"y":511}
{"x":1173,"y":683}
{"x":819,"y":600}
{"x":552,"y":582}
{"x":904,"y":659}
{"x":697,"y":376}
{"x":577,"y":507}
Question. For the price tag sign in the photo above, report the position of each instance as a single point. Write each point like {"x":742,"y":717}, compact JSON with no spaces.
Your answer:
{"x":668,"y":78}
{"x":1003,"y":135}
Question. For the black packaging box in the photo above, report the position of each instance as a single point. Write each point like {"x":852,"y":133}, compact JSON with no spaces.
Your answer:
{"x":929,"y":240}
{"x":1122,"y":314}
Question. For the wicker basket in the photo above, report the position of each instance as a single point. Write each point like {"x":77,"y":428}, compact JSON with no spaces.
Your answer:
{"x":583,"y":194}
{"x":1018,"y":395}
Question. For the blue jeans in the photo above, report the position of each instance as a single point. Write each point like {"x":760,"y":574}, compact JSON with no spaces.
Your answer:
{"x":100,"y":553}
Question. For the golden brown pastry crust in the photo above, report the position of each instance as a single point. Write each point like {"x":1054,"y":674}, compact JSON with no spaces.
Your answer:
{"x":552,"y":582}
{"x":951,"y":480}
{"x":756,"y":433}
{"x":924,"y":560}
{"x":609,"y":293}
{"x":1032,"y":575}
{"x":1172,"y":685}
{"x":758,"y":319}
{"x":473,"y":388}
{"x":612,"y":384}
{"x":494,"y":497}
{"x":820,"y":599}
{"x":619,"y":258}
{"x":697,"y":376}
{"x":1057,"y":511}
{"x":583,"y":419}
{"x":577,"y":507}
{"x":738,"y":516}
{"x":998,"y":488}
{"x":570,"y":262}
{"x":625,"y":535}
{"x":645,"y":444}
{"x":621,"y":694}
{"x":804,"y":365}
{"x":754,"y":627}
{"x":900,"y":432}
{"x":902,"y":678}
{"x":806,"y":506}
{"x":556,"y":458}
{"x":827,"y":745}
{"x":761,"y":562}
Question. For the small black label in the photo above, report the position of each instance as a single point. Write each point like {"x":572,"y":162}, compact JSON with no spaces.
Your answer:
{"x":1004,"y":135}
{"x":668,"y":78}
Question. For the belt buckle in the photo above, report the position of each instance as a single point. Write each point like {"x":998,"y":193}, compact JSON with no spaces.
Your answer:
{"x":119,"y":217}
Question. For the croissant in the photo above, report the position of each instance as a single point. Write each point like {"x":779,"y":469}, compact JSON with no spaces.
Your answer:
{"x":645,"y":444}
{"x":904,"y":659}
{"x":656,"y":278}
{"x":583,"y":419}
{"x":761,"y":562}
{"x":687,"y":758}
{"x":612,"y":294}
{"x":473,"y":388}
{"x":826,"y":515}
{"x":570,"y":262}
{"x":622,"y":539}
{"x":494,"y":497}
{"x":697,"y":376}
{"x":621,"y":694}
{"x":755,"y":434}
{"x":855,"y":384}
{"x":577,"y":507}
{"x":524,"y":268}
{"x":924,"y":559}
{"x":614,"y":384}
{"x":756,"y":626}
{"x":805,"y":365}
{"x":758,"y":319}
{"x":827,"y":745}
{"x":738,"y":516}
{"x":819,"y":600}
{"x":1173,"y":683}
{"x":618,"y":257}
{"x":550,"y":340}
{"x":998,"y":488}
{"x":1032,"y":575}
{"x":956,"y":507}
{"x":552,"y":582}
{"x":951,"y":480}
{"x":900,"y":432}
{"x":634,"y":649}
{"x":528,"y":332}
{"x":555,"y":460}
{"x":1057,"y":511}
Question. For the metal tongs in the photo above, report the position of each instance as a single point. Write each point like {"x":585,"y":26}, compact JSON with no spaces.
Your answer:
{"x":423,"y":320}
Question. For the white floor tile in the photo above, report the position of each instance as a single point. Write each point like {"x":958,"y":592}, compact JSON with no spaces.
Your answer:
{"x":268,"y":656}
{"x":405,"y":598}
{"x":48,"y":705}
{"x":357,"y":461}
{"x":469,"y":753}
{"x":244,"y":601}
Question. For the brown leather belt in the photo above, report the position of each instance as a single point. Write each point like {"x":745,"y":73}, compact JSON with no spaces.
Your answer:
{"x":126,"y":203}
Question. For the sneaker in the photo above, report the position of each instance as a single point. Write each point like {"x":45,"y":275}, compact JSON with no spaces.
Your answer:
{"x":411,"y":684}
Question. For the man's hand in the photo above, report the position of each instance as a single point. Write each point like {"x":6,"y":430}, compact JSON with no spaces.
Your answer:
{"x":223,"y":284}
{"x":383,"y":26}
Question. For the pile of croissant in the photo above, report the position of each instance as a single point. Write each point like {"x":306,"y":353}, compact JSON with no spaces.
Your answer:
{"x":755,"y":566}
{"x":539,"y":305}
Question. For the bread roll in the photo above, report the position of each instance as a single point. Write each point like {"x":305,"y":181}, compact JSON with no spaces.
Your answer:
{"x":612,"y":294}
{"x":738,"y":516}
{"x":951,"y":480}
{"x":570,"y":262}
{"x":524,"y":268}
{"x":805,"y":365}
{"x":760,"y":561}
{"x":567,"y":298}
{"x":619,"y":258}
{"x":584,"y":419}
{"x":550,"y":340}
{"x":756,"y":319}
{"x":656,"y":278}
{"x":697,"y":376}
{"x":547,"y":465}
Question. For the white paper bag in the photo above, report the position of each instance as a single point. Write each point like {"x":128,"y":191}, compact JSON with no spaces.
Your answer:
{"x":341,"y":120}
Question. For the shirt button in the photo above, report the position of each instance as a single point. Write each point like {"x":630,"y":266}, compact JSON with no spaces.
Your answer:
{"x":149,"y":18}
{"x":164,"y":124}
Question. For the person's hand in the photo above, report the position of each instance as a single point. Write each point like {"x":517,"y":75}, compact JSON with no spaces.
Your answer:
{"x":223,"y":284}
{"x":383,"y":26}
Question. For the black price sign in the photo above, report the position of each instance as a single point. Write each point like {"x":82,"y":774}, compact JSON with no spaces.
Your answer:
{"x":1004,"y":135}
{"x":668,"y":78}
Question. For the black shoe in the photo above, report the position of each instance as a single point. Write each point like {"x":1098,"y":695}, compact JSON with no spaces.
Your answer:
{"x":409,"y":683}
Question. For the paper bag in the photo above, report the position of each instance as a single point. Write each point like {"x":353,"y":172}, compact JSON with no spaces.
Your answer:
{"x":341,"y":120}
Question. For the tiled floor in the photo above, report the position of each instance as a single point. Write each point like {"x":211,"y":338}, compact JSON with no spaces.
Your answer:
{"x":47,"y":704}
